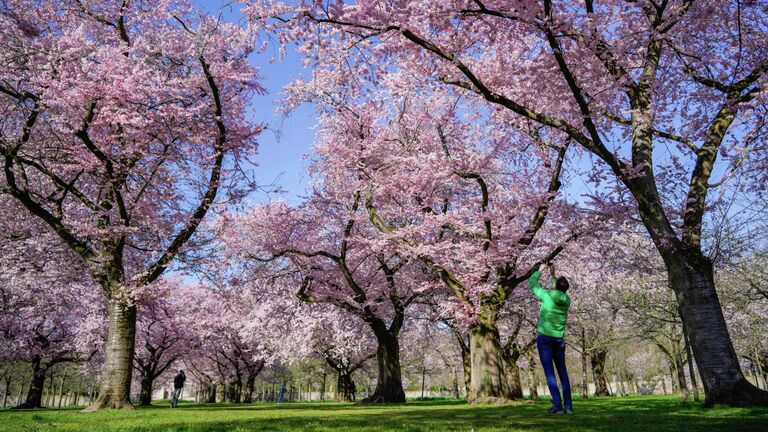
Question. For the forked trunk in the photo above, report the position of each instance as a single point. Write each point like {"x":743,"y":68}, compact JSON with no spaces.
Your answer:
{"x":488,"y":382}
{"x":690,"y":276}
{"x":35,"y":392}
{"x":345,"y":387}
{"x":118,"y":361}
{"x":389,"y":384}
{"x":597,"y":361}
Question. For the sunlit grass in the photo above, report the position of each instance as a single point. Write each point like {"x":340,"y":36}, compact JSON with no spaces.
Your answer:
{"x":609,"y":414}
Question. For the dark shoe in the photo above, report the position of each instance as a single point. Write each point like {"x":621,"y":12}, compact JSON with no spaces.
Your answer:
{"x":555,"y":410}
{"x":568,"y":410}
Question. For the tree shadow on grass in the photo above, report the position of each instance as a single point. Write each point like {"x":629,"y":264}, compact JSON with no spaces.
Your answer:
{"x":331,"y":406}
{"x":629,"y":416}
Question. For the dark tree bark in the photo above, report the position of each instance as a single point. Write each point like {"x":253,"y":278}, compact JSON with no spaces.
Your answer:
{"x":345,"y":387}
{"x":250,"y":381}
{"x":597,"y":360}
{"x":692,"y":279}
{"x":37,"y":383}
{"x":210,"y":396}
{"x":389,"y":383}
{"x":145,"y":397}
{"x":233,"y":390}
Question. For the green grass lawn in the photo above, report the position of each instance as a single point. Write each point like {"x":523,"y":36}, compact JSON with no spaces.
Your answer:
{"x":650,"y":413}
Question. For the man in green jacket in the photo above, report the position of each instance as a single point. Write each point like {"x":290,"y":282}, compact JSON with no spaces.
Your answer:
{"x":550,"y":341}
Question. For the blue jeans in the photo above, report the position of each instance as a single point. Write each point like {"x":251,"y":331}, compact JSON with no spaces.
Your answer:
{"x":176,"y":396}
{"x":553,"y":350}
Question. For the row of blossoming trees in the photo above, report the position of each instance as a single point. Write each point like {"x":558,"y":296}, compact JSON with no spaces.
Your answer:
{"x":459,"y":143}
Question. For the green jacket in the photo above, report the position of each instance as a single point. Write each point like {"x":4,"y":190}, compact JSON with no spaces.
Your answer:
{"x":553,"y":312}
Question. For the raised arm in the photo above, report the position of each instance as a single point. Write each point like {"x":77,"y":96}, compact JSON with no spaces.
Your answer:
{"x":533,"y":282}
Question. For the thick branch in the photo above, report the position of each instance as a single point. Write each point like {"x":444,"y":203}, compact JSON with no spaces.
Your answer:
{"x":181,"y":238}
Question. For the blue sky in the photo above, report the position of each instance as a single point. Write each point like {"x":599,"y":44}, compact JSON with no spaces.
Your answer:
{"x":283,"y":146}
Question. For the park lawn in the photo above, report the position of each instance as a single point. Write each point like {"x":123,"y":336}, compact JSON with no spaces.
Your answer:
{"x":642,"y":413}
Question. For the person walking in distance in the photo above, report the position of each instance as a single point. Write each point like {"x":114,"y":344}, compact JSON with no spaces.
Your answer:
{"x":178,"y":387}
{"x":550,"y":327}
{"x":281,"y":394}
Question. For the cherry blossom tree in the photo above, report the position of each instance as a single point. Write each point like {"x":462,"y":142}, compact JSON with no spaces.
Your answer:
{"x":434,"y":186}
{"x":123,"y":122}
{"x":226,"y":353}
{"x":331,"y":257}
{"x":162,"y":339}
{"x":297,"y":331}
{"x":49,"y":312}
{"x":625,"y":81}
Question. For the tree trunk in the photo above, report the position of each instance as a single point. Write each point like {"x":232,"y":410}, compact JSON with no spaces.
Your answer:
{"x":322,"y":388}
{"x":6,"y":389}
{"x":597,"y":360}
{"x":762,"y":370}
{"x":77,"y":392}
{"x":345,"y":387}
{"x":584,"y":382}
{"x":21,"y":392}
{"x":423,"y":379}
{"x":49,"y":394}
{"x":145,"y":398}
{"x":232,"y":393}
{"x":488,"y":383}
{"x":61,"y":387}
{"x":689,"y":359}
{"x":249,"y":388}
{"x":512,"y":373}
{"x":118,"y":362}
{"x":691,"y":277}
{"x":211,"y":396}
{"x":672,"y":373}
{"x":455,"y":384}
{"x":466,"y":362}
{"x":532,"y":380}
{"x":680,"y":370}
{"x":35,"y":392}
{"x":389,"y":384}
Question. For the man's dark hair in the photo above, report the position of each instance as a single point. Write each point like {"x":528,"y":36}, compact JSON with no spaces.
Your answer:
{"x":562,"y":284}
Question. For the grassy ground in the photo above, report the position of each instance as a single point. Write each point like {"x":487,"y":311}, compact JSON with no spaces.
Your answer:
{"x":650,"y":413}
